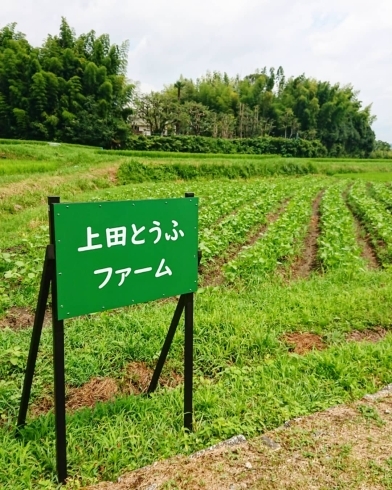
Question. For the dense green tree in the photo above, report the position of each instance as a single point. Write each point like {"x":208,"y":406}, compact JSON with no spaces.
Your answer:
{"x":382,"y":145}
{"x":70,"y":89}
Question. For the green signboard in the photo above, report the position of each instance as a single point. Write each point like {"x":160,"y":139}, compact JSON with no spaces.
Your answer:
{"x":114,"y":254}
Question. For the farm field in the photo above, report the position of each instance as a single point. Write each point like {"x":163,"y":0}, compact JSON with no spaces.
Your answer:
{"x":292,"y":315}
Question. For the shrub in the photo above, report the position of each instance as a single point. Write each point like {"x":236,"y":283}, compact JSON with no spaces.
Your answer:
{"x":202,"y":144}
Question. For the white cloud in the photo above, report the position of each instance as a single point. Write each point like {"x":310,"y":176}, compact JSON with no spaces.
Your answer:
{"x":346,"y":41}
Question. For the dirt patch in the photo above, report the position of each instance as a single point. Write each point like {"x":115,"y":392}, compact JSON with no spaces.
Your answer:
{"x":344,"y":447}
{"x":18,"y":318}
{"x":307,"y":262}
{"x":212,"y":274}
{"x":365,"y":243}
{"x":369,"y":335}
{"x":88,"y":395}
{"x":368,"y":252}
{"x":138,"y":376}
{"x":135,"y":381}
{"x":303,"y":342}
{"x":42,"y":406}
{"x":94,"y":391}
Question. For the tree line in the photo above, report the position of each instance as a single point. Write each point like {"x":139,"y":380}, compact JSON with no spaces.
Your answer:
{"x":264,"y":103}
{"x":75,"y":89}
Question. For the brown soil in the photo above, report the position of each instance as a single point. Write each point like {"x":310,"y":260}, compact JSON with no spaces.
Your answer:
{"x":307,"y":262}
{"x":212,"y":274}
{"x":135,"y":381}
{"x":368,"y":252}
{"x":345,"y":447}
{"x":138,"y":376}
{"x":369,"y":335}
{"x":96,"y":390}
{"x":303,"y":342}
{"x":18,"y":318}
{"x":41,"y":406}
{"x":367,"y":249}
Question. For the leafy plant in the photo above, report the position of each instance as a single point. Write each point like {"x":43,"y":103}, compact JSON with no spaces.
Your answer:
{"x":376,"y":218}
{"x":337,"y":245}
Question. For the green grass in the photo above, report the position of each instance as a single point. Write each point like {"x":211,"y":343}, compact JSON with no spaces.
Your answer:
{"x":369,"y":176}
{"x":193,"y":156}
{"x":63,"y":155}
{"x":135,"y":431}
{"x":26,"y":167}
{"x":246,"y":380}
{"x":5,"y":141}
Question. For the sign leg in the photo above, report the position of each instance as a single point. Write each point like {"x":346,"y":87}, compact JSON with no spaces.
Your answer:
{"x":58,"y":364}
{"x":166,"y":346}
{"x":59,"y":399}
{"x":46,"y":277}
{"x":188,"y":364}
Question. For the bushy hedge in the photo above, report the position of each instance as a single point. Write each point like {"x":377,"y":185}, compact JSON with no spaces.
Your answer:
{"x":202,"y":144}
{"x":135,"y":171}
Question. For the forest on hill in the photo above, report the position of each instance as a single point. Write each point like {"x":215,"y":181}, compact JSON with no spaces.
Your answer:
{"x":75,"y":89}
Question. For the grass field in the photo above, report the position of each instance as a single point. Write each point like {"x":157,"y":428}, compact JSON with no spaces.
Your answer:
{"x":369,"y":176}
{"x":292,"y":315}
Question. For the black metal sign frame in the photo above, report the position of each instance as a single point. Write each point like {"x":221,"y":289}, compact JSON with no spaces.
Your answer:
{"x":49,"y":282}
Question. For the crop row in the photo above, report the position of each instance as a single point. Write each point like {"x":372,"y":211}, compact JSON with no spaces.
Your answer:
{"x":224,"y":200}
{"x":377,"y":220}
{"x":382,"y":193}
{"x":235,"y":228}
{"x":281,"y":242}
{"x":216,"y":198}
{"x":337,"y":245}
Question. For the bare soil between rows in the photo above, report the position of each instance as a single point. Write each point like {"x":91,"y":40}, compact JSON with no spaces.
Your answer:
{"x":368,"y":252}
{"x":307,"y":262}
{"x":364,"y":239}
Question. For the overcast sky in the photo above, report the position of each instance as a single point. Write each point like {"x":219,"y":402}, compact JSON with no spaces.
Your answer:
{"x":346,"y":41}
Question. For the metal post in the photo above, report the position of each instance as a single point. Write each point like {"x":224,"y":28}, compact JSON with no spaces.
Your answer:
{"x":167,"y":344}
{"x":35,"y":338}
{"x":58,"y":364}
{"x":188,"y":354}
{"x":188,"y":363}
